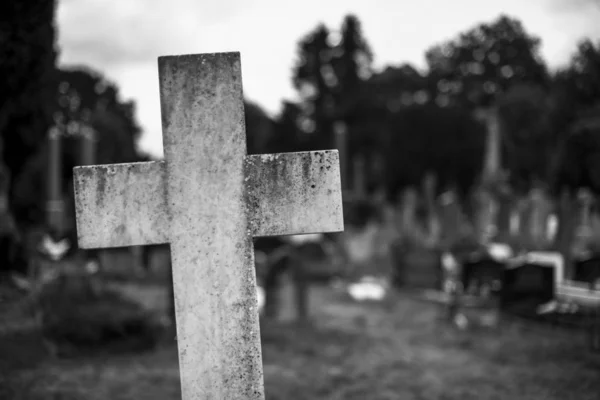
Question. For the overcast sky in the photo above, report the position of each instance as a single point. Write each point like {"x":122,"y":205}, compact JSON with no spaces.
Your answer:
{"x":124,"y":41}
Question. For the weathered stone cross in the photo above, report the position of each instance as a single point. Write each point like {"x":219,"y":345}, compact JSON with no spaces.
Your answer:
{"x":207,"y":199}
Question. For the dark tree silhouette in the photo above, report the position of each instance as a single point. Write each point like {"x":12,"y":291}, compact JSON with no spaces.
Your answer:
{"x":530,"y":140}
{"x":485,"y":61}
{"x":314,"y":78}
{"x":444,"y":140}
{"x":259,"y":128}
{"x":27,"y":60}
{"x":577,"y":115}
{"x":351,"y":60}
{"x":81,"y":96}
{"x":582,"y":77}
{"x":287,"y":136}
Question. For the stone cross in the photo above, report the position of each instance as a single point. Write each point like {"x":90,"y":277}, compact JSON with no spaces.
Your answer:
{"x":207,"y":199}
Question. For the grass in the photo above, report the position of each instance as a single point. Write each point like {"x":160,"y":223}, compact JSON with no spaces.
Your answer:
{"x":395,"y":350}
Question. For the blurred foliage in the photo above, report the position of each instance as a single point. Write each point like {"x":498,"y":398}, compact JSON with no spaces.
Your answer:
{"x":330,"y":75}
{"x":78,"y":317}
{"x":583,"y":75}
{"x":485,"y":61}
{"x":259,"y":129}
{"x":27,"y":59}
{"x":444,"y":140}
{"x":314,"y":78}
{"x":402,"y":120}
{"x":82,"y":98}
{"x":530,"y":140}
{"x":415,"y":121}
{"x":579,"y":104}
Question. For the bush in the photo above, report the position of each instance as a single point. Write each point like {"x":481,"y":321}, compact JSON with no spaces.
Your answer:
{"x":79,"y":317}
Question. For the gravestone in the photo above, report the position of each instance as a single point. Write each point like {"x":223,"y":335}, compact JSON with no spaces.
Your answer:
{"x":541,"y":210}
{"x":433,"y":220}
{"x":208,"y":199}
{"x":485,"y":215}
{"x":586,"y":265}
{"x":417,"y":259}
{"x":451,"y":216}
{"x":55,"y":206}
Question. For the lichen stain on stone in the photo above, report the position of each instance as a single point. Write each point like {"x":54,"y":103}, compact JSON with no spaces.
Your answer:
{"x":120,"y":230}
{"x":101,"y":186}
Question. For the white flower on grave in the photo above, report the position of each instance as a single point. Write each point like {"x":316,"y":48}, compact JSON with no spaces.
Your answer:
{"x":55,"y":249}
{"x":368,"y":288}
{"x":499,"y":251}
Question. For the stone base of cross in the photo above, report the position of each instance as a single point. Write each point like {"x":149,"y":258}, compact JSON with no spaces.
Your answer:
{"x":207,"y":199}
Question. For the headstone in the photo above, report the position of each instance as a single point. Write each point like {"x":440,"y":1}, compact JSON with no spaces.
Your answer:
{"x":586,"y":260}
{"x":538,"y":224}
{"x":514,"y":219}
{"x":207,"y":199}
{"x":417,"y":262}
{"x":54,"y":200}
{"x":485,"y":215}
{"x":583,"y":230}
{"x":452,"y":219}
{"x":564,"y":235}
{"x":492,"y":161}
{"x":505,"y":206}
{"x":412,"y":231}
{"x":432,"y":219}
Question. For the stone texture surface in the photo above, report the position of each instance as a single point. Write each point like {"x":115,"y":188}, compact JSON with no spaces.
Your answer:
{"x":121,"y":205}
{"x":203,"y":200}
{"x":293,"y":193}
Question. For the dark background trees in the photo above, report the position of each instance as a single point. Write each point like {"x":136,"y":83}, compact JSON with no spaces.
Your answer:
{"x":27,"y":67}
{"x":403,"y":121}
{"x":82,"y":98}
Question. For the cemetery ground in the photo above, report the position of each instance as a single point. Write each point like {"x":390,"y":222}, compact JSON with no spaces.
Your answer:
{"x":397,"y":349}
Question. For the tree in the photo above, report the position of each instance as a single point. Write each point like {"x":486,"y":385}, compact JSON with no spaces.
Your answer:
{"x":485,"y":61}
{"x":351,"y":60}
{"x":582,"y":77}
{"x":580,"y":161}
{"x":578,"y":116}
{"x":330,"y":76}
{"x":428,"y":138}
{"x":28,"y":55}
{"x":287,"y":135}
{"x":81,"y":97}
{"x":530,"y":140}
{"x":84,"y":96}
{"x":259,"y":128}
{"x":314,"y":78}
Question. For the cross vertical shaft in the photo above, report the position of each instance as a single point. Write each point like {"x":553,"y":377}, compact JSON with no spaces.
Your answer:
{"x":211,"y":246}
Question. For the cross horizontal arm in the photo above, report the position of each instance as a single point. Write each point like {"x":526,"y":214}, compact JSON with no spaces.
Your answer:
{"x":121,"y":205}
{"x":294,"y":193}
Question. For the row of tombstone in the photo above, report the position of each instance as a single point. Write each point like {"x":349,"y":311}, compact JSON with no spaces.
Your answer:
{"x":534,"y":222}
{"x":425,"y":226}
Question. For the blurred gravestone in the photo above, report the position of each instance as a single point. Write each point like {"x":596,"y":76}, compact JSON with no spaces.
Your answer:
{"x":540,"y":212}
{"x":418,"y":263}
{"x":586,"y":266}
{"x":207,"y":200}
